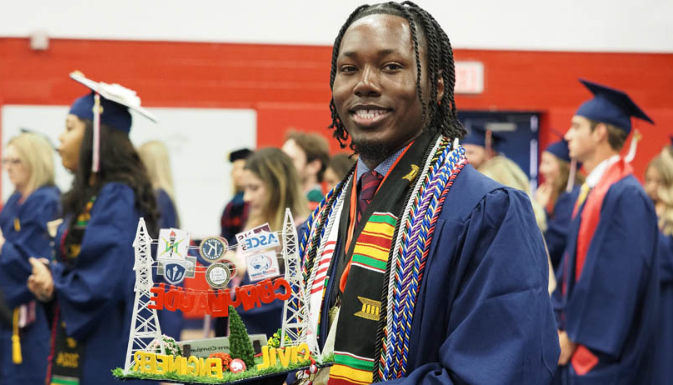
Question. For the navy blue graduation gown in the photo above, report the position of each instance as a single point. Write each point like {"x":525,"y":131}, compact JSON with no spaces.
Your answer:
{"x":558,"y":224}
{"x":663,"y":360}
{"x":483,"y":314}
{"x":611,"y":309}
{"x":171,"y":321}
{"x":96,"y":297}
{"x":29,"y":238}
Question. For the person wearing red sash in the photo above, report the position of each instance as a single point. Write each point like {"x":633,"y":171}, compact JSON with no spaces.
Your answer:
{"x":606,"y":298}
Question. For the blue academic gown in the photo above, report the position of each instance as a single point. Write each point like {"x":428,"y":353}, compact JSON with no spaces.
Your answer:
{"x":96,"y":297}
{"x":558,"y":224}
{"x":483,"y":314}
{"x":663,"y":371}
{"x":611,"y":309}
{"x":31,"y":240}
{"x":171,"y":321}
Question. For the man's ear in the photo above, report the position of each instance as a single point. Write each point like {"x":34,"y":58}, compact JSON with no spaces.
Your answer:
{"x":314,"y":166}
{"x":440,"y":87}
{"x":600,"y":132}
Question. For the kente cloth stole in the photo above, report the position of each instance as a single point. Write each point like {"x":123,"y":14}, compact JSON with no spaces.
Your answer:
{"x":414,"y":188}
{"x":67,"y":353}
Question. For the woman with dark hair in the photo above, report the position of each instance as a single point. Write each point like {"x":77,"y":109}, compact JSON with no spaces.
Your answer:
{"x":91,"y":280}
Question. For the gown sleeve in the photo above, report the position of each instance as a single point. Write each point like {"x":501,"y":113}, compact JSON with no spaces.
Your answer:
{"x":607,"y":296}
{"x":32,"y":240}
{"x":500,"y":328}
{"x":102,"y":275}
{"x":665,"y":253}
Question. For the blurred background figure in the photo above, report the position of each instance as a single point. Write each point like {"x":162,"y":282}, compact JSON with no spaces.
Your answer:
{"x":309,"y":153}
{"x":557,"y":195}
{"x":156,"y":159}
{"x":91,"y":281}
{"x":24,"y":342}
{"x":659,"y":187}
{"x":481,"y":149}
{"x":271,"y":185}
{"x":337,"y":168}
{"x":234,"y":214}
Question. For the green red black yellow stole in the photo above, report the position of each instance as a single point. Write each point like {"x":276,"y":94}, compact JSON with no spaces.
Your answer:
{"x":387,"y":257}
{"x":67,"y":353}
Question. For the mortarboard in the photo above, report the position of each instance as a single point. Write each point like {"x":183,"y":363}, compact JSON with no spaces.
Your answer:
{"x":113,"y":101}
{"x":479,"y":136}
{"x":560,"y":150}
{"x":610,"y":106}
{"x":243,"y":153}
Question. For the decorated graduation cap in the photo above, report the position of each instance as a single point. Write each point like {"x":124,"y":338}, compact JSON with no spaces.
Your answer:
{"x":482,"y":137}
{"x":560,"y":150}
{"x":108,"y":104}
{"x":610,"y":106}
{"x":243,"y":153}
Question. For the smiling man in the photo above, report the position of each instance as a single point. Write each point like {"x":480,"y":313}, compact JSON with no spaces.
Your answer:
{"x":606,"y":297}
{"x":419,"y":269}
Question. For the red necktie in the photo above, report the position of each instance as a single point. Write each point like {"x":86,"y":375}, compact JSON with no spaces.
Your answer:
{"x":369,"y":183}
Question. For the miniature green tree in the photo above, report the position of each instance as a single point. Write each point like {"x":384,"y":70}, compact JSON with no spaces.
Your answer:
{"x":239,"y":341}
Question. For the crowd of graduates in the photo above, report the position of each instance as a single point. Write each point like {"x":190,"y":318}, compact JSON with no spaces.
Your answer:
{"x":593,"y":246}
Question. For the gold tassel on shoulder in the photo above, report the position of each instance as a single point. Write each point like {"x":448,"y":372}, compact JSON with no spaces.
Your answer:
{"x":16,"y":341}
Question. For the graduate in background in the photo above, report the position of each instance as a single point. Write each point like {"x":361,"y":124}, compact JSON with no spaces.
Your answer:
{"x":481,"y":149}
{"x":271,"y":185}
{"x":659,"y":186}
{"x":337,"y":168}
{"x":606,"y":298}
{"x":235,"y":212}
{"x":93,"y":279}
{"x":557,"y":194}
{"x":155,"y":157}
{"x":310,"y":154}
{"x":24,"y":344}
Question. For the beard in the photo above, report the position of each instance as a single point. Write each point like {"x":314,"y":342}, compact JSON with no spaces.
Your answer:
{"x":372,"y":151}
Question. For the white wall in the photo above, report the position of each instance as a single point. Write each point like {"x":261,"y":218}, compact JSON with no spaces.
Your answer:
{"x":574,"y":25}
{"x":194,"y":137}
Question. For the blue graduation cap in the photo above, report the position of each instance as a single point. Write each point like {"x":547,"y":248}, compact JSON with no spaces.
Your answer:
{"x":560,"y":150}
{"x":478,"y":137}
{"x":610,"y":106}
{"x":108,"y":104}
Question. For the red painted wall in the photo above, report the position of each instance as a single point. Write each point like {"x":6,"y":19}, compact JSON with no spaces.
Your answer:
{"x":288,"y":85}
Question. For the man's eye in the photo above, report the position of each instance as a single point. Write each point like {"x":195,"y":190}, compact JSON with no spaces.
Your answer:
{"x":392,"y":67}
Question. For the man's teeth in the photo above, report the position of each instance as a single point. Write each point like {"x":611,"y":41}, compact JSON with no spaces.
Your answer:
{"x":369,"y":114}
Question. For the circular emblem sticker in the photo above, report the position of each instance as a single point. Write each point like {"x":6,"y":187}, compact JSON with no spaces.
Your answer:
{"x":218,"y":275}
{"x":213,"y":248}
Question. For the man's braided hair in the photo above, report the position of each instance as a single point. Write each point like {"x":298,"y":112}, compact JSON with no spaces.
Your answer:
{"x":442,"y":115}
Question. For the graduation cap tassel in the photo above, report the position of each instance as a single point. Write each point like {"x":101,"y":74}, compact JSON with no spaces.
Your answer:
{"x":571,"y":176}
{"x":95,"y":167}
{"x":633,"y":147}
{"x":16,"y":340}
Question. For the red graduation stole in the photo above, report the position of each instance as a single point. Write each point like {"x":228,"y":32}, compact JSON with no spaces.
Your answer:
{"x":591,"y":214}
{"x":583,"y":360}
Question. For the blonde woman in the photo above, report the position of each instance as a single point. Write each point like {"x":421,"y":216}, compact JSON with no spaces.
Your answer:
{"x":154,"y":156}
{"x":659,"y":186}
{"x":558,"y":203}
{"x":271,"y":185}
{"x":28,"y":160}
{"x":157,"y":162}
